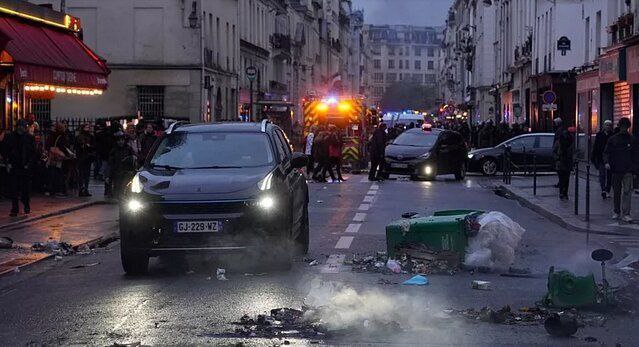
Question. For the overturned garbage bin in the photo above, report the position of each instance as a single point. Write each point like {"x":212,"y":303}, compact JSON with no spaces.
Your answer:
{"x":566,"y":290}
{"x":443,"y":231}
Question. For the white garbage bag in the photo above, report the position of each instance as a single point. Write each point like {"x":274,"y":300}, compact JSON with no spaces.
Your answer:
{"x":495,"y":243}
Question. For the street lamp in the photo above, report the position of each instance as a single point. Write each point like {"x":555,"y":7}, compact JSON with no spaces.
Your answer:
{"x":193,"y":18}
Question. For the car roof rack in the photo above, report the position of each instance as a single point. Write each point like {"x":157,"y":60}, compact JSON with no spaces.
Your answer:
{"x":264,"y":123}
{"x":175,"y":125}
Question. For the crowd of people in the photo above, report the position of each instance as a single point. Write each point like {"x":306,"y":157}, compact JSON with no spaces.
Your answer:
{"x":324,"y":145}
{"x":59,"y":160}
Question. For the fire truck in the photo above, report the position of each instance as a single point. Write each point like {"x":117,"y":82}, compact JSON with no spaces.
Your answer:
{"x":353,"y":120}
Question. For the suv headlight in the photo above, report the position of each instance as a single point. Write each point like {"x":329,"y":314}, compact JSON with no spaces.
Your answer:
{"x":266,"y":202}
{"x":471,"y":155}
{"x":425,"y":155}
{"x":134,"y":205}
{"x":137,"y":183}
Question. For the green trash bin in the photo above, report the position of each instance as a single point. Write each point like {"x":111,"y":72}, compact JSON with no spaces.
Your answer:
{"x":566,"y":290}
{"x":443,"y":231}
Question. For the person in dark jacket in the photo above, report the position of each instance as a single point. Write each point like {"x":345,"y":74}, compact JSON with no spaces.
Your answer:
{"x":121,"y":165}
{"x":85,"y":150}
{"x":20,"y":151}
{"x":377,"y":152}
{"x":335,"y":147}
{"x":147,"y":139}
{"x":58,"y":148}
{"x":620,"y":157}
{"x":563,"y":155}
{"x":322,"y":143}
{"x":605,"y":176}
{"x":487,"y":135}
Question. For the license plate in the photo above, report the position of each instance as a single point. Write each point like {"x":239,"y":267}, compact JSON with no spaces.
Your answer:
{"x":200,"y":226}
{"x":399,"y":165}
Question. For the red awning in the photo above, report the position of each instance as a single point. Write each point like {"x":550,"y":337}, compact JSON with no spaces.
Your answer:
{"x":46,"y":55}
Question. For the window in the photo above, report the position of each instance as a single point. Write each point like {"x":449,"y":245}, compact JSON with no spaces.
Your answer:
{"x":391,"y":77}
{"x":151,"y":101}
{"x":378,"y":77}
{"x":401,"y":64}
{"x":431,"y":65}
{"x":378,"y":91}
{"x":401,"y":51}
{"x":431,"y":51}
{"x":418,"y":51}
{"x":527,"y":142}
{"x":282,"y":146}
{"x":391,"y":64}
{"x":419,"y":78}
{"x":391,"y":50}
{"x":377,"y":64}
{"x":429,"y":78}
{"x":401,"y":76}
{"x":546,"y":141}
{"x":418,"y":64}
{"x":41,"y":108}
{"x":420,"y":139}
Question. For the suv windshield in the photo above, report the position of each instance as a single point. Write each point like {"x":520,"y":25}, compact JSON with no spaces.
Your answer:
{"x":213,"y":150}
{"x":416,"y":139}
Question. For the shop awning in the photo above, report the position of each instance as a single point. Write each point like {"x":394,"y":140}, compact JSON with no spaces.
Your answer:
{"x":46,"y":55}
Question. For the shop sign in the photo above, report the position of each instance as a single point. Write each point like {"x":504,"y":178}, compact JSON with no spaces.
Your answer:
{"x":27,"y":73}
{"x":632,"y":60}
{"x":549,"y":107}
{"x":563,"y":44}
{"x":612,"y":67}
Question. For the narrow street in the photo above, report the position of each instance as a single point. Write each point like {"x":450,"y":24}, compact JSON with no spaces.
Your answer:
{"x":87,"y":299}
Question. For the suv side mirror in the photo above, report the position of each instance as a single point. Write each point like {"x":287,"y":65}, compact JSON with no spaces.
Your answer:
{"x":299,"y":160}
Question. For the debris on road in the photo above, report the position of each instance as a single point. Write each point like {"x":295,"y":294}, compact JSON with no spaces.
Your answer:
{"x":394,"y":266}
{"x":480,"y":285}
{"x":313,"y":263}
{"x":495,"y":243}
{"x":566,"y":290}
{"x":85,"y":265}
{"x":53,"y":246}
{"x":6,"y":242}
{"x":561,"y":325}
{"x":414,"y":259}
{"x":221,"y":274}
{"x":417,"y":280}
{"x":385,"y":281}
{"x":590,"y":339}
{"x":84,"y":250}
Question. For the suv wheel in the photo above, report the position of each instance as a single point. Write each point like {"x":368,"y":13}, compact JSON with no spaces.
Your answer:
{"x":302,"y":240}
{"x":461,"y":172}
{"x":488,"y":166}
{"x":133,"y":263}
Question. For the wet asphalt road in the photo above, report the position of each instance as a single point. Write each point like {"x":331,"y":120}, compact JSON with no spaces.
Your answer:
{"x":176,"y":304}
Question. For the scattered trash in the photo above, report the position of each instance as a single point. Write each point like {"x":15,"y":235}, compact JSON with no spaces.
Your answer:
{"x":221,"y":275}
{"x":190,"y":272}
{"x":16,"y":270}
{"x":417,"y":280}
{"x":313,"y":263}
{"x":385,"y":281}
{"x":394,"y":266}
{"x":84,"y":249}
{"x":53,"y":246}
{"x":480,"y":285}
{"x":58,"y":258}
{"x":320,"y":201}
{"x":590,"y":339}
{"x":85,"y":265}
{"x":324,"y":187}
{"x":495,"y":243}
{"x":564,"y":325}
{"x":6,"y":242}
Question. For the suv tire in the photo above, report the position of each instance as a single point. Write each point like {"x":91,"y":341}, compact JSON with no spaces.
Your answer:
{"x":461,"y":172}
{"x":133,"y":263}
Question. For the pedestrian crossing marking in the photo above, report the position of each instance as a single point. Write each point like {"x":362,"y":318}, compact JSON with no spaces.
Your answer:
{"x":372,"y":192}
{"x":374,"y":187}
{"x":353,"y":228}
{"x":364,"y":207}
{"x":359,"y":217}
{"x":368,"y":198}
{"x":344,"y":242}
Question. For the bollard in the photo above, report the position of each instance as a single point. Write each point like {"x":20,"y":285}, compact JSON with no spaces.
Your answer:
{"x":534,"y":173}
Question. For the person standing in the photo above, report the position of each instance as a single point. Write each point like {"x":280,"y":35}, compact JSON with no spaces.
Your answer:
{"x":85,"y":150}
{"x":20,"y":152}
{"x":58,"y":153}
{"x":620,"y":157}
{"x":377,"y":151}
{"x":121,"y":165}
{"x":563,"y":155}
{"x":133,"y":141}
{"x":308,"y":150}
{"x":605,"y":176}
{"x":147,"y":139}
{"x":322,"y":142}
{"x":335,"y":147}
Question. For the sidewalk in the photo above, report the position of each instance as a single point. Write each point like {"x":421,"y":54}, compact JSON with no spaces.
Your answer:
{"x":547,"y":203}
{"x":46,"y":206}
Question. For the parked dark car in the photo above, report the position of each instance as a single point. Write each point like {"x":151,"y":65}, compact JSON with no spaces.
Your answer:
{"x":490,"y":160}
{"x":424,"y":154}
{"x":215,"y":188}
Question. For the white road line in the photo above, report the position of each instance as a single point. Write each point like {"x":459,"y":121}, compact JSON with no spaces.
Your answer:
{"x":372,"y":192}
{"x":364,"y":207}
{"x":333,"y":263}
{"x":374,"y":187}
{"x":619,"y":237}
{"x":368,"y":198}
{"x":344,"y":242}
{"x":353,"y":228}
{"x":364,"y":180}
{"x":359,"y":217}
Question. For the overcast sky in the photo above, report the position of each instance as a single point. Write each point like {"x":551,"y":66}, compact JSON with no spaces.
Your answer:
{"x":414,"y":12}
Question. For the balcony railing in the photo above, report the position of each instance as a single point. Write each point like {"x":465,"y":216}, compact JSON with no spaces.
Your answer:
{"x":281,"y":41}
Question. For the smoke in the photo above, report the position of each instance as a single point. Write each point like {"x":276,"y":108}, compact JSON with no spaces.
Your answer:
{"x":339,"y":307}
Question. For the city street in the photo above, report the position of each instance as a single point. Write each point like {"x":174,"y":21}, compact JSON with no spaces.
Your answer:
{"x":87,"y":299}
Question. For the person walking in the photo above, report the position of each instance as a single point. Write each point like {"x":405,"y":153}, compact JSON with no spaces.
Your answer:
{"x":563,"y":155}
{"x":147,"y":140}
{"x":605,"y":176}
{"x":308,"y":150}
{"x":85,"y":150}
{"x":323,"y":143}
{"x":20,"y":152}
{"x":377,"y":151}
{"x":58,"y":153}
{"x":121,"y":165}
{"x":335,"y":147}
{"x":620,"y":157}
{"x":133,"y":141}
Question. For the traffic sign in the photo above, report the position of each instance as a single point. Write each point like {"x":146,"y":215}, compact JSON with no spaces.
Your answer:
{"x":549,"y":107}
{"x":251,"y":73}
{"x":549,"y":97}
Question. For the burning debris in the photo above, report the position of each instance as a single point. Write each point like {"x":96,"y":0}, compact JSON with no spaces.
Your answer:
{"x":412,"y":259}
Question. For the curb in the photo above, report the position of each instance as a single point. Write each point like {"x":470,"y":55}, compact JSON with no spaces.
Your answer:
{"x":553,"y":217}
{"x":90,"y":243}
{"x":55,"y":213}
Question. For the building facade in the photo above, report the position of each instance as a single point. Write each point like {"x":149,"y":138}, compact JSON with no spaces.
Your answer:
{"x":401,"y":53}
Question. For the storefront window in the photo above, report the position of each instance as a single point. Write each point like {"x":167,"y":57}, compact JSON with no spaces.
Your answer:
{"x":151,"y":101}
